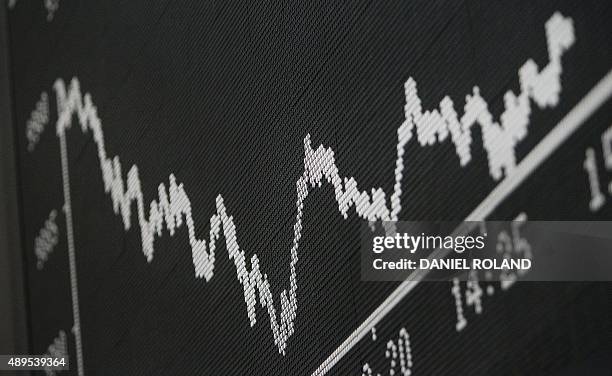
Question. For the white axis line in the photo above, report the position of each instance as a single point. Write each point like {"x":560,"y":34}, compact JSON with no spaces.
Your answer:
{"x":562,"y":131}
{"x":71,"y":255}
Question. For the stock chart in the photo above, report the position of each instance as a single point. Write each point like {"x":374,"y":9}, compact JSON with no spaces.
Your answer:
{"x":193,"y":177}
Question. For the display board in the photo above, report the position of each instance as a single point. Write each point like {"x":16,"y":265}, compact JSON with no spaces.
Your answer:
{"x":193,"y":177}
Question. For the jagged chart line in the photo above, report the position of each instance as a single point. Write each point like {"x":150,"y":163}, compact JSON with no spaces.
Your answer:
{"x":173,"y":207}
{"x":570,"y":123}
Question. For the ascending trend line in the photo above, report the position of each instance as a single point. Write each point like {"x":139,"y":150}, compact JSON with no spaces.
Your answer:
{"x":499,"y":140}
{"x":570,"y":123}
{"x":173,"y":207}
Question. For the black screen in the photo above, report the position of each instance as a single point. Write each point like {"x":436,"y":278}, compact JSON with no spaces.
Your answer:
{"x":222,"y":107}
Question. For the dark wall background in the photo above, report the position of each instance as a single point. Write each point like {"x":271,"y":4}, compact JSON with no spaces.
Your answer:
{"x":13,"y":333}
{"x":222,"y":94}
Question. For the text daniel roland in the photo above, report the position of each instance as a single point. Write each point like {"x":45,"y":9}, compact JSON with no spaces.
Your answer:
{"x":458,"y":244}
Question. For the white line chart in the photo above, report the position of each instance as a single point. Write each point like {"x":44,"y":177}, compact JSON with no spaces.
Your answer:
{"x":173,"y":208}
{"x":562,"y":131}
